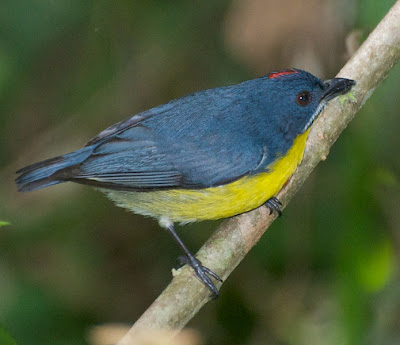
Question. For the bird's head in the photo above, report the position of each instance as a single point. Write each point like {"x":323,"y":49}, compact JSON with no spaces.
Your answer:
{"x":298,"y":97}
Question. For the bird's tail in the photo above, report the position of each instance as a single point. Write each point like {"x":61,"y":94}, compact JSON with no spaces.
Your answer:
{"x":51,"y":171}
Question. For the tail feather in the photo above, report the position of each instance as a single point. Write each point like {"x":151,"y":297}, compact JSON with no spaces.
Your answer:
{"x":50,"y":171}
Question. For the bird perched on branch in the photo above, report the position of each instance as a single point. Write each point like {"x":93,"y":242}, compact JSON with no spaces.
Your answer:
{"x":209,"y":155}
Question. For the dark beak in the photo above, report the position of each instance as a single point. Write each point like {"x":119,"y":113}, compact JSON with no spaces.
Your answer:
{"x":336,"y":87}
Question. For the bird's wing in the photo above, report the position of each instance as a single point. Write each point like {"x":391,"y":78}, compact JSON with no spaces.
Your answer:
{"x":193,"y":142}
{"x":138,"y":158}
{"x":130,"y":122}
{"x":128,"y":162}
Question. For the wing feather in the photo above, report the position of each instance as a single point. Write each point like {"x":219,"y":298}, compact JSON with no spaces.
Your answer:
{"x":193,"y":142}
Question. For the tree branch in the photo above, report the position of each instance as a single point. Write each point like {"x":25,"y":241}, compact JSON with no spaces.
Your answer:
{"x":185,"y":295}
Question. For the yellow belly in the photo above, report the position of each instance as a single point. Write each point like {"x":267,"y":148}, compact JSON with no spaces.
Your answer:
{"x":189,"y":205}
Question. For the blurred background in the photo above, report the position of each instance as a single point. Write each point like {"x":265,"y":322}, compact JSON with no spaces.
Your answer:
{"x":327,"y":272}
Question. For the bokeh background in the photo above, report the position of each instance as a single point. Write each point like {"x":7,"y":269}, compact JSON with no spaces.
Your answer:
{"x":327,"y":272}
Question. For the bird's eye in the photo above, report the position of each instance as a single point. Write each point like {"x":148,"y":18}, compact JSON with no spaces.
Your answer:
{"x":303,"y":98}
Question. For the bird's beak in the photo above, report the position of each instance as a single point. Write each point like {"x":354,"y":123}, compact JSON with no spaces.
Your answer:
{"x":336,"y":87}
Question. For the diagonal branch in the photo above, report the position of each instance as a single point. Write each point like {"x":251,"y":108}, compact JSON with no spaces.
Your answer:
{"x":185,"y":295}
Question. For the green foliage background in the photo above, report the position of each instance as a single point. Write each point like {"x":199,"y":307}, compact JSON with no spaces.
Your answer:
{"x":325,"y":273}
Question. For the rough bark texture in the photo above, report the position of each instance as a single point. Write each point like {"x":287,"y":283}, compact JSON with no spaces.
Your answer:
{"x":185,"y":295}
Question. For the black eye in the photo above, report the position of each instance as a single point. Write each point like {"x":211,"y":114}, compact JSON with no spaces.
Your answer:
{"x":303,"y":98}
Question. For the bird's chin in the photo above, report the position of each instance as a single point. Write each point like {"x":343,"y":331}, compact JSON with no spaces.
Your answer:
{"x":321,"y":107}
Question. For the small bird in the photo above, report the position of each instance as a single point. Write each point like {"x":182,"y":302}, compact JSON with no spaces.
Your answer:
{"x":209,"y":155}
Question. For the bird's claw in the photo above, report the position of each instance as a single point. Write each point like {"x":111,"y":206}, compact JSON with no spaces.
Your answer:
{"x":202,"y":272}
{"x":273,"y":204}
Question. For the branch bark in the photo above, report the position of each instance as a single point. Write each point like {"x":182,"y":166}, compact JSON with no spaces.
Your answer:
{"x":185,"y":295}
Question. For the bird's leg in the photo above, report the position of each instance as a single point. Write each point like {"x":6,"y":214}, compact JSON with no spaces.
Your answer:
{"x":203,"y":273}
{"x":273,"y":204}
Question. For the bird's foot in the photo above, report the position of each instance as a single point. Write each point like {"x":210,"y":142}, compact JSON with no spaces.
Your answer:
{"x":202,"y":272}
{"x":273,"y":204}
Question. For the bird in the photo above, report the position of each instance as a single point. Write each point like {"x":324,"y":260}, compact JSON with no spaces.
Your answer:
{"x":208,"y":155}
